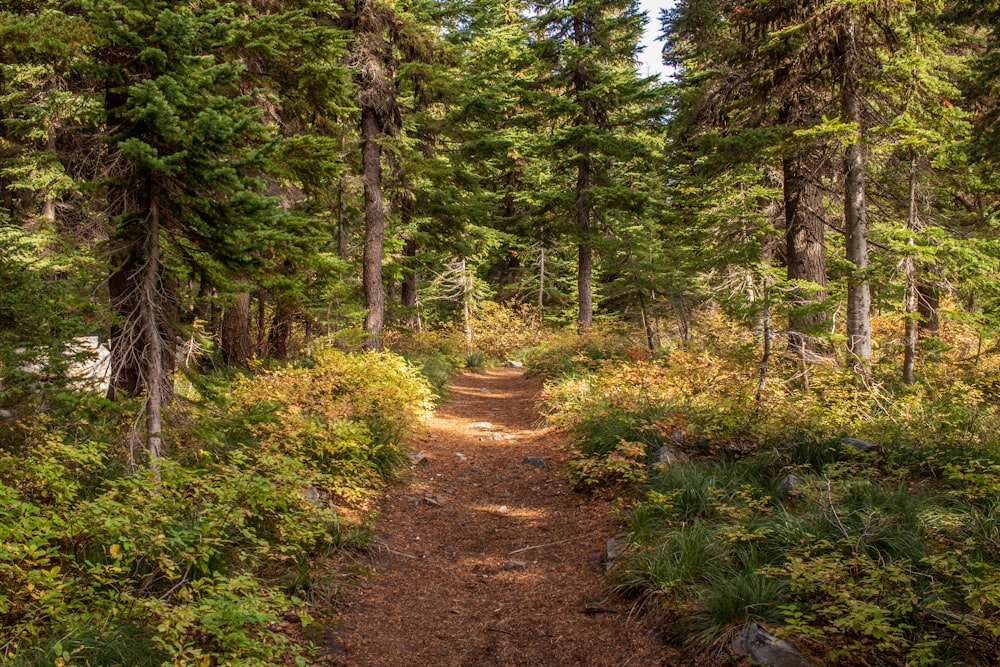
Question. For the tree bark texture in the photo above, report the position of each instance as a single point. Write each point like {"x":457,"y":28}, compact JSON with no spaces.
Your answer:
{"x":910,"y":287}
{"x":585,"y":252}
{"x":371,"y":276}
{"x":237,"y":347}
{"x":805,"y":254}
{"x":280,"y":330}
{"x":855,"y":215}
{"x":155,"y":375}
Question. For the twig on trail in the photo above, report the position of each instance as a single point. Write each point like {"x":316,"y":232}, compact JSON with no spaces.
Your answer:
{"x":594,"y":609}
{"x":400,"y":553}
{"x":499,"y":630}
{"x":552,"y":544}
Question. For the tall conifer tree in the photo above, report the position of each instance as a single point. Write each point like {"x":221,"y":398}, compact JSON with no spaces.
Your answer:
{"x":593,"y":98}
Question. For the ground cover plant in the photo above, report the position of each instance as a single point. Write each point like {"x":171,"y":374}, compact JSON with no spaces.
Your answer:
{"x":102,"y":564}
{"x":859,"y":519}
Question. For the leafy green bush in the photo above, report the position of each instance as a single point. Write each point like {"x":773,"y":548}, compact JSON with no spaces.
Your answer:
{"x":102,"y":567}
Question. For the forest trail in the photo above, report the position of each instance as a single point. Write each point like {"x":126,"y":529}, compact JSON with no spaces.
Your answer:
{"x":485,"y":560}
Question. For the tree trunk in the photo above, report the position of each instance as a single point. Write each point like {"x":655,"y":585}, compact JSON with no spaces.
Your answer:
{"x":928,"y":302}
{"x":49,"y":205}
{"x":910,"y":288}
{"x":374,"y":229}
{"x":280,"y":330}
{"x":804,"y":249}
{"x":123,"y":288}
{"x":199,"y":312}
{"x":156,"y":377}
{"x":541,"y":280}
{"x":855,"y":215}
{"x":585,"y":255}
{"x":237,"y":347}
{"x":409,"y":286}
{"x":341,"y":221}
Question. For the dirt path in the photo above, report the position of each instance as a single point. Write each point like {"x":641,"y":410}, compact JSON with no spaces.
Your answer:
{"x":486,"y":560}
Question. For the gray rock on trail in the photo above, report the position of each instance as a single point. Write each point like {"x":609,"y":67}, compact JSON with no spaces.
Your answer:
{"x":480,"y":426}
{"x":510,"y":363}
{"x":613,"y":550}
{"x":763,"y":648}
{"x":417,"y":459}
{"x":515,"y":565}
{"x":435,"y":500}
{"x":535,"y":461}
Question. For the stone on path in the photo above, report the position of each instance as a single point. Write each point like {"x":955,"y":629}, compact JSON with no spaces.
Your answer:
{"x":417,"y":459}
{"x":612,"y":552}
{"x":510,"y":363}
{"x":535,"y":461}
{"x":436,"y":501}
{"x":481,"y":426}
{"x":515,"y":565}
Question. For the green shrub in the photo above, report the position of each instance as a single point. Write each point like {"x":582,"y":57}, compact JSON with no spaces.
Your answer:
{"x":880,"y":553}
{"x":274,"y":469}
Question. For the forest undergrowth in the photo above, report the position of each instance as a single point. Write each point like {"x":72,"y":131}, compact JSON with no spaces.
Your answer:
{"x":853,"y":514}
{"x":269,"y":471}
{"x":858,"y":518}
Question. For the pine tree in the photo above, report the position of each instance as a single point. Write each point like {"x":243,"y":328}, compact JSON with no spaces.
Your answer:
{"x":186,"y":146}
{"x":589,"y":93}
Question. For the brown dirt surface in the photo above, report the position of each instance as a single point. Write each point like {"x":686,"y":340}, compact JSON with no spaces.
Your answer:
{"x":484,"y":560}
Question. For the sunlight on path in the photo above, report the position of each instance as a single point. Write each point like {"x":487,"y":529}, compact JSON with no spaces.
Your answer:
{"x":487,"y":557}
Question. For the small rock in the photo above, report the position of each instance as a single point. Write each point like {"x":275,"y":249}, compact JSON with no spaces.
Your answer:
{"x":461,"y":457}
{"x":436,"y":501}
{"x":484,"y":390}
{"x":535,"y":461}
{"x":480,"y":426}
{"x":789,"y":486}
{"x":613,"y":550}
{"x":666,"y":455}
{"x":503,"y":509}
{"x":474,"y":468}
{"x":315,"y":496}
{"x":450,"y":492}
{"x":497,"y":436}
{"x":500,"y":478}
{"x":506,"y":493}
{"x":417,"y":459}
{"x":510,"y":363}
{"x":766,"y":649}
{"x":461,"y":480}
{"x":6,"y":414}
{"x":515,"y":565}
{"x":858,"y":444}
